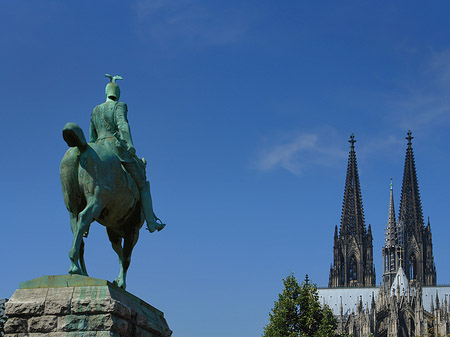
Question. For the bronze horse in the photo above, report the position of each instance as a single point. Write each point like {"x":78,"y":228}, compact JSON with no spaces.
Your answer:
{"x":97,"y":188}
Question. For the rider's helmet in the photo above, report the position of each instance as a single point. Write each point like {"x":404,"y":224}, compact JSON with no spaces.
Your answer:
{"x":112,"y":90}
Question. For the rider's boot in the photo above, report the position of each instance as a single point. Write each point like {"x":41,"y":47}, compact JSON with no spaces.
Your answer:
{"x":153,"y":223}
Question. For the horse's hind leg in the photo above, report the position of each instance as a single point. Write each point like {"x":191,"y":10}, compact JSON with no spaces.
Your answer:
{"x":116,"y":242}
{"x":85,"y":218}
{"x":129,"y":242}
{"x":82,"y":264}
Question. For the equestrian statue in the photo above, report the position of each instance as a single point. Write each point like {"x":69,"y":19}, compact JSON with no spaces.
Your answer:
{"x":105,"y":181}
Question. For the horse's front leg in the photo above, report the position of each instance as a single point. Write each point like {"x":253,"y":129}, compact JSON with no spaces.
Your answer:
{"x":73,"y":227}
{"x":85,"y":218}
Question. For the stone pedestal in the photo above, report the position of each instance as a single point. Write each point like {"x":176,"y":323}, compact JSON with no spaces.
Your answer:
{"x":79,"y":306}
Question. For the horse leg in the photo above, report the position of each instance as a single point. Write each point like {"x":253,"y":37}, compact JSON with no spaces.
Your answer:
{"x":73,"y":221}
{"x":82,"y":264}
{"x":129,"y":242}
{"x":116,"y":242}
{"x":73,"y":226}
{"x":85,"y":218}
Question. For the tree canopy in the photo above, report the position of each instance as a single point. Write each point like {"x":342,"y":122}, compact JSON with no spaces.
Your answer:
{"x":298,"y":313}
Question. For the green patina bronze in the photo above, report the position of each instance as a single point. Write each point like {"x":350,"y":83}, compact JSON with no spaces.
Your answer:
{"x":105,"y":181}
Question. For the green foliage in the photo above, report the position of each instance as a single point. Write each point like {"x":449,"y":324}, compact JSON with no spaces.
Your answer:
{"x":284,"y":318}
{"x":344,"y":334}
{"x":310,"y":311}
{"x":328,"y":325}
{"x":298,"y":313}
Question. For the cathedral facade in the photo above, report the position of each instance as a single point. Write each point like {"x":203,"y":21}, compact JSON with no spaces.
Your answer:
{"x":408,"y":303}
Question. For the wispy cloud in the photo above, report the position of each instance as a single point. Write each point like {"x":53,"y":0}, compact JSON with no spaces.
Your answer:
{"x":189,"y":22}
{"x":381,"y":145}
{"x":423,"y":100}
{"x":299,"y":152}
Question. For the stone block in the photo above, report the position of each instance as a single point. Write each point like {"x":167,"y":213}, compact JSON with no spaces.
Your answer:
{"x":73,"y":323}
{"x":26,"y":302}
{"x":91,"y":300}
{"x":58,"y":301}
{"x":42,"y":324}
{"x":16,"y":324}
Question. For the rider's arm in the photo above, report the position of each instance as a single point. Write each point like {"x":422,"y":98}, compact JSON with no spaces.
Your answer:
{"x":92,"y":132}
{"x":122,"y":124}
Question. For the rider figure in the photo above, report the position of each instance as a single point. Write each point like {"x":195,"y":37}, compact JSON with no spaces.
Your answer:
{"x":109,"y":127}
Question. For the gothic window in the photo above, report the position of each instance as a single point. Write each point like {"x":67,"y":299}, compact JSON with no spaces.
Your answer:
{"x":392,"y":261}
{"x":352,"y":269}
{"x":386,"y":263}
{"x":412,"y":267}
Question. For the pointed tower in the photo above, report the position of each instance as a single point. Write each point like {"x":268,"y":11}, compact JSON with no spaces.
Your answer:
{"x":392,"y":247}
{"x":417,"y":246}
{"x":353,"y":251}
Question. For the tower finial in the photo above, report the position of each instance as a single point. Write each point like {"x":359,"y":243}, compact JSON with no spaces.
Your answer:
{"x":409,"y":138}
{"x":352,"y":141}
{"x":391,"y":185}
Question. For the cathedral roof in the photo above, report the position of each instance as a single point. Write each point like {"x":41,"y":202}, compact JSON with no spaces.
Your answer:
{"x":400,"y":281}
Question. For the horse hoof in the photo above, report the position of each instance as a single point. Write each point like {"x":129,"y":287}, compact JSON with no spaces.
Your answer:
{"x":119,"y":284}
{"x":74,"y":270}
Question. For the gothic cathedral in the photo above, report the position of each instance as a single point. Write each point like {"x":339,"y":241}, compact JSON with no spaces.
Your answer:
{"x":408,"y":303}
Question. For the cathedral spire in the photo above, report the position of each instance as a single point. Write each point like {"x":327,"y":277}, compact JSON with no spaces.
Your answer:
{"x":416,"y":238}
{"x":391,"y":225}
{"x":391,"y":248}
{"x":352,"y":220}
{"x":353,"y":249}
{"x":410,"y":217}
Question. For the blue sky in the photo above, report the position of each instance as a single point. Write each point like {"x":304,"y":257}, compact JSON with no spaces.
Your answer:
{"x":243,"y":110}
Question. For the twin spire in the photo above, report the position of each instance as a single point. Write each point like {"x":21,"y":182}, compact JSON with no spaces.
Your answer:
{"x":407,"y":243}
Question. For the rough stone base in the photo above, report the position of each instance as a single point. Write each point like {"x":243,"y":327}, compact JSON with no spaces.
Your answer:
{"x":79,"y":306}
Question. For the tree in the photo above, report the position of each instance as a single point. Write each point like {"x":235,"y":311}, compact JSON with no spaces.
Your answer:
{"x":284,"y":319}
{"x":298,"y":312}
{"x":328,"y":325}
{"x":310,"y":310}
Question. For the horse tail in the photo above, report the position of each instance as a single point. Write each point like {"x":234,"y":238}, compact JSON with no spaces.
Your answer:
{"x":74,"y":136}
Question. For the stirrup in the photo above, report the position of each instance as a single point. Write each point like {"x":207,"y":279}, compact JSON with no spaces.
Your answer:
{"x":158,"y":225}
